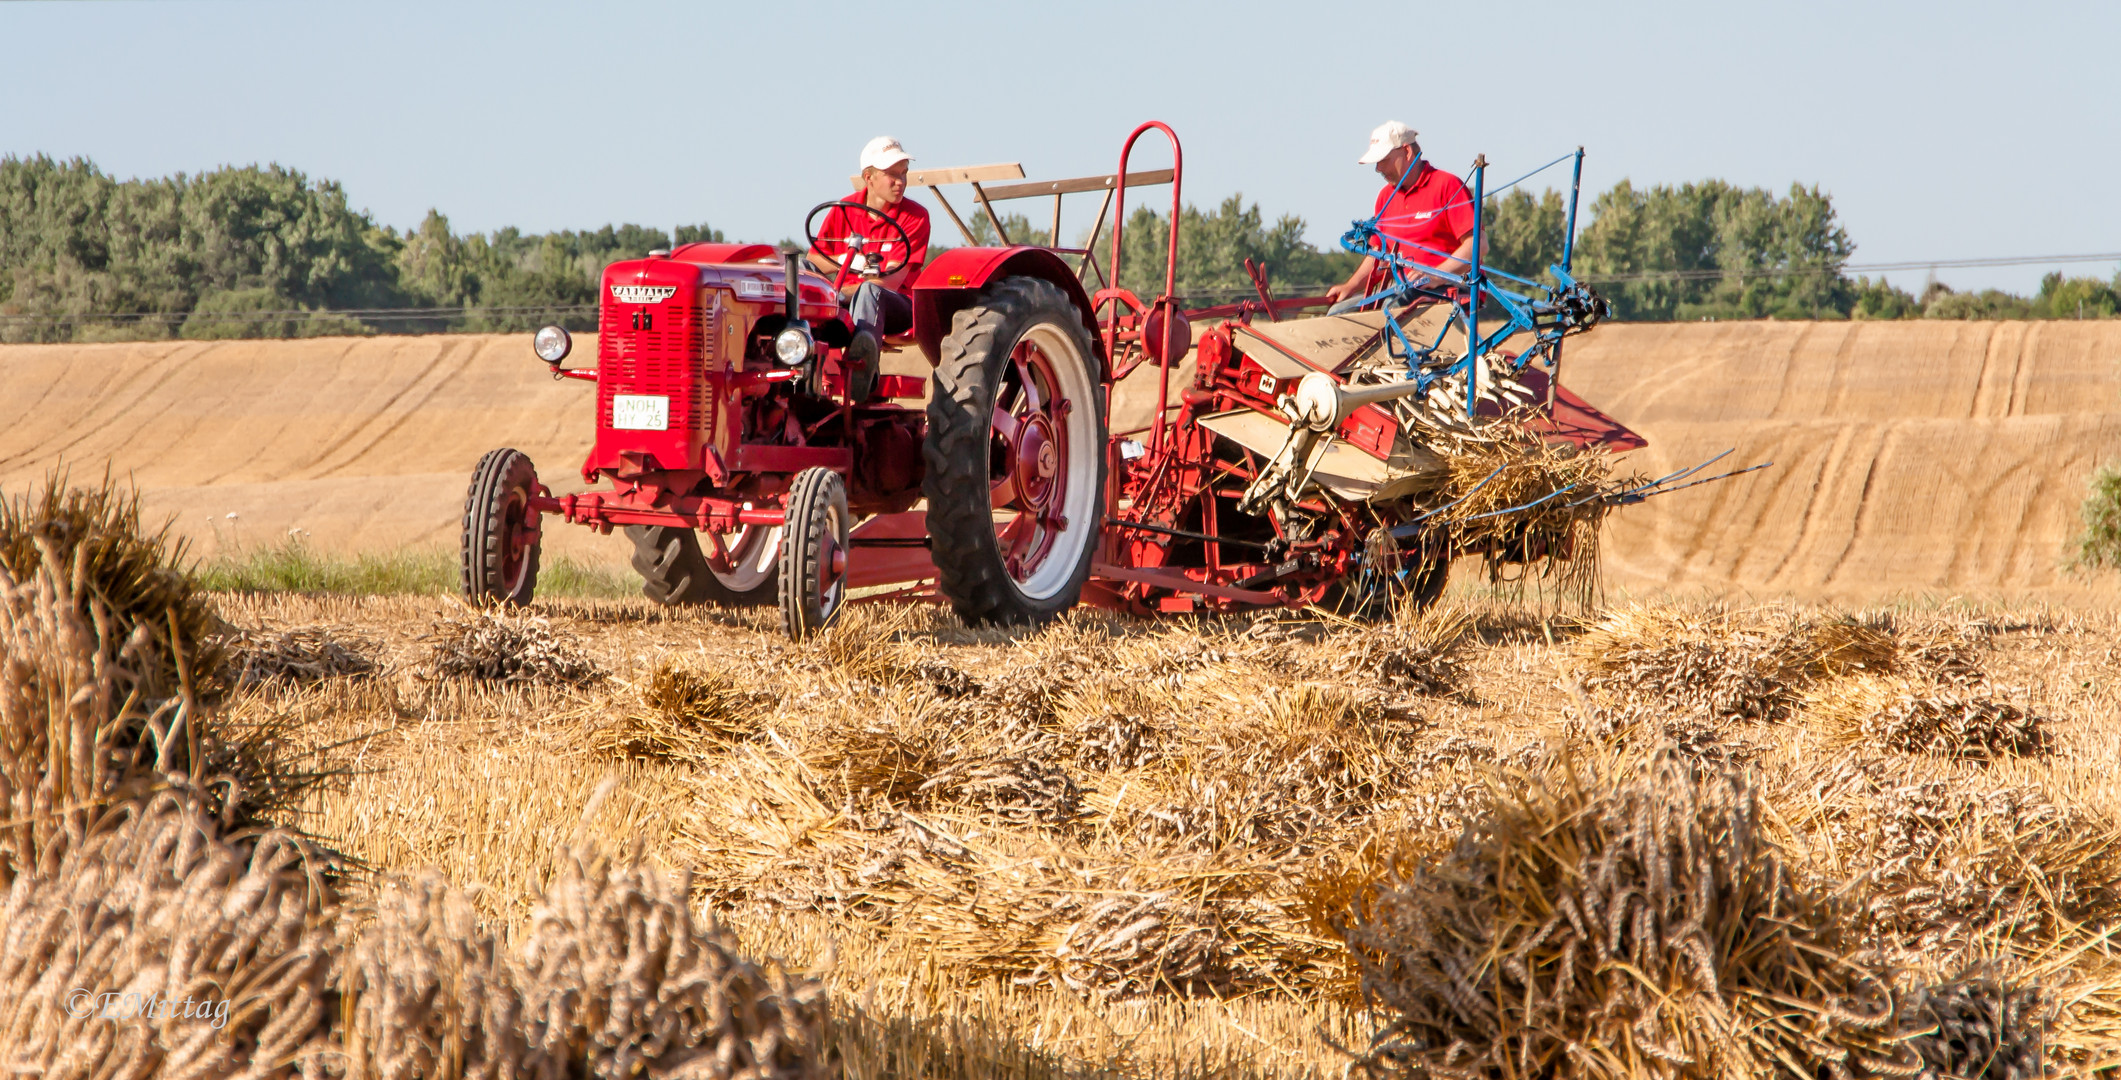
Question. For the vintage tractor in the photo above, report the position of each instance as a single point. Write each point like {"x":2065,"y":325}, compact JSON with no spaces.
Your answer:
{"x":750,"y":464}
{"x":1304,"y":461}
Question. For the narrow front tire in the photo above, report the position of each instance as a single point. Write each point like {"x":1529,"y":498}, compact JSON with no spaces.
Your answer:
{"x":501,"y":538}
{"x":813,"y":564}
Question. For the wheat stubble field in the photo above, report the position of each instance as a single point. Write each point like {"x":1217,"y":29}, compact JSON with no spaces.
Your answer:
{"x":1238,"y":848}
{"x":1863,"y":828}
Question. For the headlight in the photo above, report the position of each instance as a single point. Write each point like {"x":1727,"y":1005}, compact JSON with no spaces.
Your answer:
{"x":792,"y":346}
{"x":552,"y":344}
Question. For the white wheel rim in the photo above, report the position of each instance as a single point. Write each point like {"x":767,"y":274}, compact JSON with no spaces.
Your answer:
{"x":754,"y":552}
{"x":1056,"y":569}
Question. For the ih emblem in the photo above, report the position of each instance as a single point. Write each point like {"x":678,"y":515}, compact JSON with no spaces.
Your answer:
{"x":643,"y":294}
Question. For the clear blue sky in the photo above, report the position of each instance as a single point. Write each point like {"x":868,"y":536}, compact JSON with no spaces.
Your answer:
{"x":1942,"y":129}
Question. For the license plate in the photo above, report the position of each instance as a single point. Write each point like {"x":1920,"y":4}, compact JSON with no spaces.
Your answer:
{"x":640,"y":412}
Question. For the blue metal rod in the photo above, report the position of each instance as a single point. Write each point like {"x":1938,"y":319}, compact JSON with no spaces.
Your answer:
{"x":1473,"y":351}
{"x":1529,"y":505}
{"x":1402,"y":262}
{"x":1707,"y":479}
{"x":1568,"y":242}
{"x":1411,"y":527}
{"x":1512,"y":277}
{"x":1684,"y":473}
{"x":1666,"y":479}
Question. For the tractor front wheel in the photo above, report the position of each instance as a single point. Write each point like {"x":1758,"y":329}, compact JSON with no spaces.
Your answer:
{"x":501,"y":538}
{"x":1016,"y":456}
{"x":813,"y":563}
{"x":674,"y":568}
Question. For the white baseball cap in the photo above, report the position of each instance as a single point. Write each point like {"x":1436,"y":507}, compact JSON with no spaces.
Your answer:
{"x":1389,"y":136}
{"x":883,"y":152}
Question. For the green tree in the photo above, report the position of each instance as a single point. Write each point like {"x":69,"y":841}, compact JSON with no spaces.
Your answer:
{"x":264,"y":250}
{"x":1880,"y":300}
{"x":261,"y":313}
{"x":2075,"y":298}
{"x":79,"y":247}
{"x":1525,"y":233}
{"x":1713,"y":250}
{"x":1213,"y":246}
{"x":1018,"y":226}
{"x":1940,"y":302}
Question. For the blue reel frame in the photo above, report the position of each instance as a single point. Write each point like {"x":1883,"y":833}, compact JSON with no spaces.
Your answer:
{"x":1548,"y":313}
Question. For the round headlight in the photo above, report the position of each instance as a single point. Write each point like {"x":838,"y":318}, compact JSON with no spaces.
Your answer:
{"x":792,"y":345}
{"x":552,"y":344}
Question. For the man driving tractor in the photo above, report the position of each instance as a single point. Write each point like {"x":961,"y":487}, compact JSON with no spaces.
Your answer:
{"x":880,"y":247}
{"x":1423,"y":212}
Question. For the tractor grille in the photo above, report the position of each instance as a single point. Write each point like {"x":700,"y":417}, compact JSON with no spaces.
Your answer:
{"x":656,"y":349}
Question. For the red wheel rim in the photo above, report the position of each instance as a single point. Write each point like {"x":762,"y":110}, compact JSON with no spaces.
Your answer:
{"x":1028,"y":461}
{"x":518,"y":533}
{"x":831,"y":574}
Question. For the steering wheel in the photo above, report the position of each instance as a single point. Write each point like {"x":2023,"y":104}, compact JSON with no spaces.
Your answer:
{"x":846,"y":271}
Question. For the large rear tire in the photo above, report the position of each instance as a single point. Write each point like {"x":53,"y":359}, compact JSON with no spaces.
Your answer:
{"x":500,"y":541}
{"x":813,"y":570}
{"x":674,"y":568}
{"x":1016,"y":456}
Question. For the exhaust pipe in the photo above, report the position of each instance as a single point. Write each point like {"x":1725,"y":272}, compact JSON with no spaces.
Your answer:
{"x":792,"y":271}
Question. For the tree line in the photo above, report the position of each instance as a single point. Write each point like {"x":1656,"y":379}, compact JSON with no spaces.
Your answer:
{"x":267,"y":252}
{"x":264,"y":251}
{"x":1712,"y":250}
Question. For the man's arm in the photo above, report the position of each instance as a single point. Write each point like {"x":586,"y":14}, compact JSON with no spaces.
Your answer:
{"x":897,"y":278}
{"x":916,"y":255}
{"x":1357,"y":283}
{"x":1461,"y":260}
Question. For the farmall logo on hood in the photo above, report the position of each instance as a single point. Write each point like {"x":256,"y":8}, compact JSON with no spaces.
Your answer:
{"x":643,"y":294}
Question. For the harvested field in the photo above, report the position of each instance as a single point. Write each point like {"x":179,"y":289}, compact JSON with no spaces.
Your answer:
{"x":1934,"y":457}
{"x":1126,"y":848}
{"x":1682,"y":837}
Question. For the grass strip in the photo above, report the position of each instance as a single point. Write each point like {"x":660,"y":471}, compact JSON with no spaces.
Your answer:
{"x":293,"y":566}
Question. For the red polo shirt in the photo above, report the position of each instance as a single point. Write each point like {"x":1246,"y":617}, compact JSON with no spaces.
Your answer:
{"x":842,"y":225}
{"x":1435,"y":211}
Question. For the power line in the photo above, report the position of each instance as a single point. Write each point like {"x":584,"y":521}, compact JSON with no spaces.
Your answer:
{"x":417,"y":313}
{"x":1717,"y":273}
{"x":1714,"y":273}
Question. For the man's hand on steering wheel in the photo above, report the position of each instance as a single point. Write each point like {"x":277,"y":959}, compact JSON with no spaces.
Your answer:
{"x":849,"y":275}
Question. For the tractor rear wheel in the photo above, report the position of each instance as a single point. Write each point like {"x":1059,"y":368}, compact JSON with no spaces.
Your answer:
{"x":813,"y":563}
{"x":1016,"y":456}
{"x":674,"y":568}
{"x":501,"y":539}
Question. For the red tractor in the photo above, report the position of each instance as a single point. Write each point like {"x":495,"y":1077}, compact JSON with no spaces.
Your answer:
{"x":748,"y":464}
